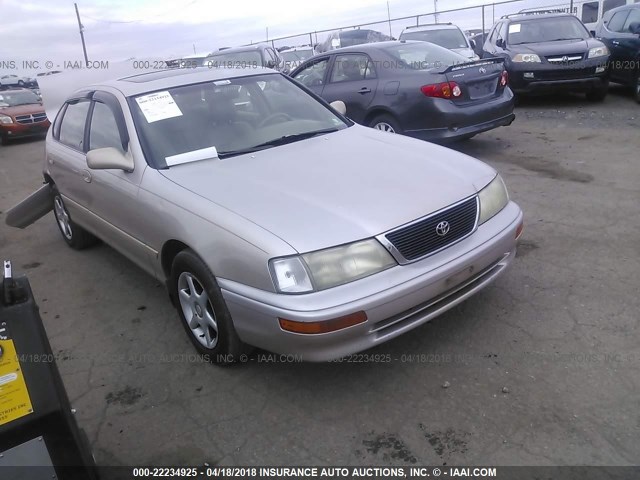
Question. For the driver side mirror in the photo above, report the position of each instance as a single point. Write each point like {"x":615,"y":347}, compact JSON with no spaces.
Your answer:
{"x":339,"y":107}
{"x":270,"y":64}
{"x":473,"y":44}
{"x":501,"y":43}
{"x":635,"y":28}
{"x":109,"y":158}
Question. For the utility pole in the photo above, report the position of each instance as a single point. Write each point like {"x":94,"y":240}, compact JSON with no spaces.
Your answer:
{"x":435,"y":9}
{"x":81,"y":27}
{"x":389,"y":17}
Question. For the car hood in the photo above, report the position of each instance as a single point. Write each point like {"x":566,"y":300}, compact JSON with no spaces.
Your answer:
{"x":557,"y":48}
{"x":337,"y":188}
{"x":22,"y":109}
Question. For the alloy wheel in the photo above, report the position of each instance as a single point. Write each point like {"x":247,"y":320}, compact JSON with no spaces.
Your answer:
{"x":197,"y":310}
{"x":384,"y":126}
{"x":62,"y":216}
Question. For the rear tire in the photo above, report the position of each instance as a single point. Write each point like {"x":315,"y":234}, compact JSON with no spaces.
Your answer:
{"x":75,"y":236}
{"x":386,"y":123}
{"x":203,"y":311}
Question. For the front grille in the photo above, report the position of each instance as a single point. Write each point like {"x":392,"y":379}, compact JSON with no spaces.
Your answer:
{"x":420,"y":238}
{"x":568,"y":58}
{"x":34,"y":118}
{"x":565,"y":74}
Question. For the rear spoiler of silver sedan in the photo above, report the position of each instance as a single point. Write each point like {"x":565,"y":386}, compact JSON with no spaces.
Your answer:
{"x":35,"y":206}
{"x":475,"y":63}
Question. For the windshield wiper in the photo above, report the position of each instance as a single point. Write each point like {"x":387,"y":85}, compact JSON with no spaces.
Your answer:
{"x":277,"y":142}
{"x":568,"y":38}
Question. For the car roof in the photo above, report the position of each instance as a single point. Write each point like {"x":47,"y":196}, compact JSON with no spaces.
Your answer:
{"x":631,"y":6}
{"x":435,"y":26}
{"x":246,"y":48}
{"x":175,"y":77}
{"x":519,"y":17}
{"x":14,"y":90}
{"x":367,"y":46}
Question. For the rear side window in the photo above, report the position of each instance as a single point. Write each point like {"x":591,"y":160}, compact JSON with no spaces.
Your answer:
{"x":611,"y":4}
{"x":634,"y":17}
{"x":104,"y":129}
{"x":617,"y":21}
{"x":73,"y":123}
{"x":590,"y":12}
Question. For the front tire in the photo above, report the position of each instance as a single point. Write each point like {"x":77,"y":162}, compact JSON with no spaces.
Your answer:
{"x":75,"y":236}
{"x":598,"y":94}
{"x":385,"y":123}
{"x":203,"y":311}
{"x":636,"y":91}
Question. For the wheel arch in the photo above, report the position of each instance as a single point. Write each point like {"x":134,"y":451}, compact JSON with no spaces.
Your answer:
{"x":380,"y":110}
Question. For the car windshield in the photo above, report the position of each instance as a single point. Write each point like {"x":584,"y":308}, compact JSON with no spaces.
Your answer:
{"x":546,"y":30}
{"x":13,"y":99}
{"x":447,"y":38}
{"x":251,"y":58}
{"x":424,"y":55}
{"x":297,"y":55}
{"x":228,"y":117}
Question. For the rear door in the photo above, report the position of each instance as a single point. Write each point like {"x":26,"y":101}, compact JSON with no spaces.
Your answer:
{"x":353,"y":79}
{"x":610,"y":33}
{"x":627,"y":46}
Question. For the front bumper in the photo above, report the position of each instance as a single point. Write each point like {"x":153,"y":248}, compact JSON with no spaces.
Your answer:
{"x":20,"y":130}
{"x":395,"y":301}
{"x":547,"y":78}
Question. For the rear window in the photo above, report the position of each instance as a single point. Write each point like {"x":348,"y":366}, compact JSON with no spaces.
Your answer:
{"x":424,"y":56}
{"x":447,"y":38}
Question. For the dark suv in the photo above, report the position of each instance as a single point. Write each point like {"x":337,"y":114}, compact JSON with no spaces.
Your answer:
{"x":619,"y":29}
{"x":549,"y":52}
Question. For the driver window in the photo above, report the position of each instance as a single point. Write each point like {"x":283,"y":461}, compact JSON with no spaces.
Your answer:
{"x":313,"y":75}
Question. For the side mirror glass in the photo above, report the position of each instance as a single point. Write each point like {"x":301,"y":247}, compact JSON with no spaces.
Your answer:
{"x":500,"y":43}
{"x":339,"y":107}
{"x":271,"y":64}
{"x":635,"y":28}
{"x":593,"y":33}
{"x":109,"y":158}
{"x":472,"y":43}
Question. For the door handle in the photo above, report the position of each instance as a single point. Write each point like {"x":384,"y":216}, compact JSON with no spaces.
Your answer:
{"x":86,"y":175}
{"x":364,"y":90}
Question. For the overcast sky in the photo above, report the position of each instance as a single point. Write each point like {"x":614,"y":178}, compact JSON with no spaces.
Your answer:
{"x":45,"y":30}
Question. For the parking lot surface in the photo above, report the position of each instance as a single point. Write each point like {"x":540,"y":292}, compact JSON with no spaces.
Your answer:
{"x":541,"y":368}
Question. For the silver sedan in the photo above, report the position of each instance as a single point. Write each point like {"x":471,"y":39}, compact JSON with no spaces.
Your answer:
{"x":273,"y":219}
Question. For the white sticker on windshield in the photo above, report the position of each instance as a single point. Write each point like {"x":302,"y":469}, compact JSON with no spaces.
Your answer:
{"x":158,"y":106}
{"x":222,"y":82}
{"x":514,"y":28}
{"x":193,"y":156}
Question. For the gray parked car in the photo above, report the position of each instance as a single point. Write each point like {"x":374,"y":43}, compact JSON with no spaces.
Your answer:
{"x":273,"y":219}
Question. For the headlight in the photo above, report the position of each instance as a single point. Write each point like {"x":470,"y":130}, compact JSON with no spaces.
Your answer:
{"x":329,"y":268}
{"x":526,"y":58}
{"x":6,"y":119}
{"x":493,"y":198}
{"x":598,"y":52}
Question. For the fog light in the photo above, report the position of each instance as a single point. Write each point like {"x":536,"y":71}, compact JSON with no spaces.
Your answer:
{"x":326,"y":326}
{"x":528,"y":75}
{"x":600,"y":69}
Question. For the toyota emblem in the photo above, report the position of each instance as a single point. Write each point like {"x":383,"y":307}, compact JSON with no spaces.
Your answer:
{"x":442,"y":228}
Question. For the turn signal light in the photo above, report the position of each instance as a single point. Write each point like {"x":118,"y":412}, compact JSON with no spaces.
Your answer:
{"x":504,"y":78}
{"x":325,"y":326}
{"x":442,"y":90}
{"x":519,"y":230}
